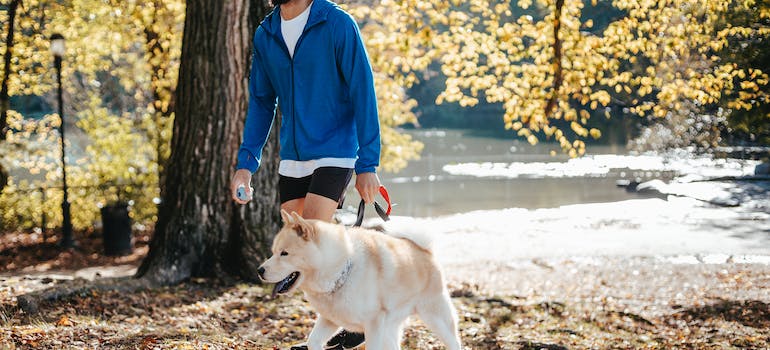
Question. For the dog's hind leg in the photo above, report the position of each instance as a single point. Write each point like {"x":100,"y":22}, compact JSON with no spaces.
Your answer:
{"x":322,"y":331}
{"x":439,"y":315}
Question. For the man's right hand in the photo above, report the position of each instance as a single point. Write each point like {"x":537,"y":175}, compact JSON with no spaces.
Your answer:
{"x":242,"y":177}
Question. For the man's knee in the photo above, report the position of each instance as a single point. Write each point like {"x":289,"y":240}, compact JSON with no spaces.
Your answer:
{"x":319,"y":207}
{"x":294,"y":205}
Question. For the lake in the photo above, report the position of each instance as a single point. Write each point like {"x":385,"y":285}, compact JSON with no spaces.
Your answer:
{"x":424,"y":189}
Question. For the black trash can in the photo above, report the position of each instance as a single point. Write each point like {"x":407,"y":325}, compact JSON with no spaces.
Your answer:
{"x":116,"y":229}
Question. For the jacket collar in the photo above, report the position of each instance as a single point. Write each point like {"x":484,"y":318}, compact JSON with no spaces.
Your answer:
{"x":319,"y":10}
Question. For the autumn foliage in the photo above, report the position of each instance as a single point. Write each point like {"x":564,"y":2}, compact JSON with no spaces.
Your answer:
{"x":545,"y":61}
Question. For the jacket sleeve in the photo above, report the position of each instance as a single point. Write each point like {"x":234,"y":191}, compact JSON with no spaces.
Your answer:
{"x":260,"y":116}
{"x":353,"y":63}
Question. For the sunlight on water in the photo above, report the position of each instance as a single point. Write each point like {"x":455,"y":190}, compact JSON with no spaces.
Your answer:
{"x":460,"y":172}
{"x":681,"y":228}
{"x":601,"y":165}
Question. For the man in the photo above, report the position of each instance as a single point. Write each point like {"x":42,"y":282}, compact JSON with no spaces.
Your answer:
{"x":309,"y":55}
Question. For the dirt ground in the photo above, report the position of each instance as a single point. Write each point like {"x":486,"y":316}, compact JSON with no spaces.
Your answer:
{"x":575,"y":303}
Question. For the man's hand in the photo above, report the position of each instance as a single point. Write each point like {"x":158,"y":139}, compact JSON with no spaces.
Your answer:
{"x":242,"y":177}
{"x":368,"y":185}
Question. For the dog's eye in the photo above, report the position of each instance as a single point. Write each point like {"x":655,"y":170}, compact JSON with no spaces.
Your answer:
{"x":284,"y":253}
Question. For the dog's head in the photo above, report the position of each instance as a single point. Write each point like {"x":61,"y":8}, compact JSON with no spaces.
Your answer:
{"x":295,"y":253}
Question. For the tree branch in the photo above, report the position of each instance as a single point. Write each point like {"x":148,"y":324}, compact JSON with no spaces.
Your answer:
{"x":557,"y":56}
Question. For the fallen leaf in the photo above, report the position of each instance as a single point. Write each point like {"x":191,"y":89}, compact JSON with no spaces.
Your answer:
{"x":63,"y":321}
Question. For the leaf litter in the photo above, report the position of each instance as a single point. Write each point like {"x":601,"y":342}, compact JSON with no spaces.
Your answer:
{"x":612,"y":303}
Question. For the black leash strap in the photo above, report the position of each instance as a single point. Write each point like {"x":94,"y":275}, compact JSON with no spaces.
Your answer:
{"x":384,"y":214}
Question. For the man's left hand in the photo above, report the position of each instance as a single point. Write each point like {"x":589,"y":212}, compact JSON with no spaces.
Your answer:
{"x":368,"y":185}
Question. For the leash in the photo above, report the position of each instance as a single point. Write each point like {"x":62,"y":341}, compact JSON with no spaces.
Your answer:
{"x":384,"y":214}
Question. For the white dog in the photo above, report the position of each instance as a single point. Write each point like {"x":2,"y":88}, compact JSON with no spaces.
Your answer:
{"x":361,"y":280}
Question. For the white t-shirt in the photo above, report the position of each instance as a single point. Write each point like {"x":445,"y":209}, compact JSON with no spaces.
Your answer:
{"x":291,"y":30}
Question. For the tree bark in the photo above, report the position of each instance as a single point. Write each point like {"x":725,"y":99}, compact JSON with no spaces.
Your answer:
{"x":200,"y":230}
{"x":557,"y":65}
{"x":5,"y":99}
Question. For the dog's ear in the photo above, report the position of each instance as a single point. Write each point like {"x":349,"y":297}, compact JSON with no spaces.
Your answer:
{"x":304,"y":228}
{"x":287,"y":220}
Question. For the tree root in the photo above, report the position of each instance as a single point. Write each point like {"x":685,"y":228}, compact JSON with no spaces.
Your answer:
{"x":30,"y":303}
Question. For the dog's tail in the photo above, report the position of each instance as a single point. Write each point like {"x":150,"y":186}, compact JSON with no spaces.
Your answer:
{"x":408,"y":228}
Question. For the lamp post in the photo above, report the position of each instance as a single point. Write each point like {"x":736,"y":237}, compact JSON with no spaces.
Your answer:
{"x":57,"y":49}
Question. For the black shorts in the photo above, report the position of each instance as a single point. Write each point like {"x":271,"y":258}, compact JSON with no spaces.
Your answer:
{"x":329,"y":182}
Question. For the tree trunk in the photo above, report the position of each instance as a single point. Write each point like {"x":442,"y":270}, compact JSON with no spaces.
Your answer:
{"x":5,"y":99}
{"x":200,"y":230}
{"x":557,"y":64}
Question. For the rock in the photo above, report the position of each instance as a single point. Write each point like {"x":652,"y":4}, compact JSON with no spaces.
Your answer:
{"x":27,"y":304}
{"x":762,"y":169}
{"x":630,"y":185}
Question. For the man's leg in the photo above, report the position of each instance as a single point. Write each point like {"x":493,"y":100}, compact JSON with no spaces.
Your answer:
{"x":326,"y":189}
{"x":294,"y":205}
{"x":292,"y":191}
{"x":318,"y":207}
{"x":316,"y":196}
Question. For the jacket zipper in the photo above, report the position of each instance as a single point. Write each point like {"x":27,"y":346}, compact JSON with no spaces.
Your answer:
{"x":294,"y":106}
{"x":293,"y":91}
{"x":293,"y":95}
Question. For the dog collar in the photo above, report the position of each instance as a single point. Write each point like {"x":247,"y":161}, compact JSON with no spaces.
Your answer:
{"x":343,"y":277}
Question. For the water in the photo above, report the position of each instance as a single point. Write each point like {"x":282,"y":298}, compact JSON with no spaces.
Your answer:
{"x":423,"y":189}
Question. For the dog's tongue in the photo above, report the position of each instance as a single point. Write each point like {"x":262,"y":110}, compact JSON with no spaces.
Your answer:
{"x":275,"y":289}
{"x":280,"y":287}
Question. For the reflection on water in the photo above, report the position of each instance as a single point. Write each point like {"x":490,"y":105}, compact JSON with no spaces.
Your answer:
{"x":423,"y":189}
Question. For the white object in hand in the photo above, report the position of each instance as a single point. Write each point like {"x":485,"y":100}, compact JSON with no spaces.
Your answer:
{"x":242,"y":194}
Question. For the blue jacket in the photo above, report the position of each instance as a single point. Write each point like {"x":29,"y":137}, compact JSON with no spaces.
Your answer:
{"x":326,"y":93}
